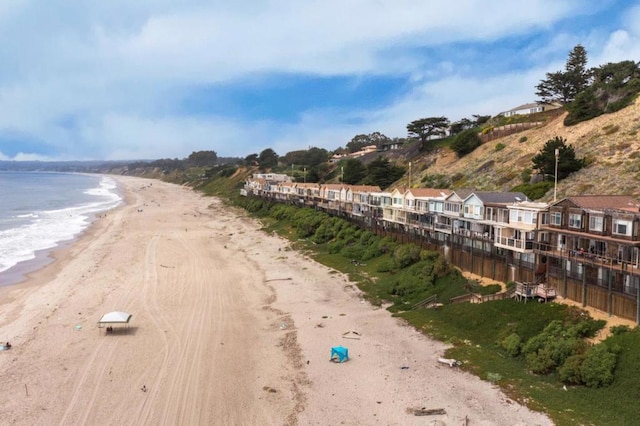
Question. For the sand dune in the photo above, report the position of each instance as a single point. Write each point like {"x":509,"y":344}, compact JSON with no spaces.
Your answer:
{"x":229,"y":327}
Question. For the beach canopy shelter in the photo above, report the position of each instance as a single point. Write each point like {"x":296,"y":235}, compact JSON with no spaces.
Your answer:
{"x":114,"y":318}
{"x":340,"y":353}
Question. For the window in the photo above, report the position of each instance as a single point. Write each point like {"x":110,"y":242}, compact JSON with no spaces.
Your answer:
{"x":545,"y":218}
{"x":596,"y":223}
{"x":556,"y":218}
{"x":491,"y":214}
{"x":452,"y":207}
{"x":529,"y":217}
{"x":631,"y":284}
{"x":575,"y":220}
{"x":622,"y":227}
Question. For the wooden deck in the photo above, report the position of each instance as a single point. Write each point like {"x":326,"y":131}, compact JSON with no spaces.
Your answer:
{"x":526,"y":291}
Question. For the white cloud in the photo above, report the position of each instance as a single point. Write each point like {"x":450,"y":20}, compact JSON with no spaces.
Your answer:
{"x":454,"y":97}
{"x":101,"y":79}
{"x":623,"y":44}
{"x":324,"y":38}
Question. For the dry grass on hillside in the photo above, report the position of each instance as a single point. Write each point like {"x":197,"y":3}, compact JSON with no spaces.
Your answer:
{"x":611,"y":144}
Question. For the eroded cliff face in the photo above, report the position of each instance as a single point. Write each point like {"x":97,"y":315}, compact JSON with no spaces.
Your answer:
{"x":610,"y":143}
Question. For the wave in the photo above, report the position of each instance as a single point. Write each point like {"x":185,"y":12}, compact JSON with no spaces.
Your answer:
{"x":47,"y":229}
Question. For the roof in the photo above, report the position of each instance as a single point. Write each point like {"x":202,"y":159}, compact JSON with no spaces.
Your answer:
{"x":500,"y":197}
{"x":332,"y":186}
{"x":460,"y":193}
{"x":602,"y":202}
{"x":531,"y":205}
{"x":529,"y":106}
{"x":526,"y":106}
{"x":115,"y":317}
{"x":429,"y":192}
{"x":307,"y":185}
{"x":364,"y":188}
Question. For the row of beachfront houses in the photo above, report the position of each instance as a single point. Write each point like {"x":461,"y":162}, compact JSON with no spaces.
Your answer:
{"x":585,"y":240}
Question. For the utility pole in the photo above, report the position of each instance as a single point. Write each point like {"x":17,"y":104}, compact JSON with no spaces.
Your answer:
{"x":409,"y":174}
{"x":555,"y":177}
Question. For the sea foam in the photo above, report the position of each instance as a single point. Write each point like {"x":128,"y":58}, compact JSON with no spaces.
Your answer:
{"x":48,"y":228}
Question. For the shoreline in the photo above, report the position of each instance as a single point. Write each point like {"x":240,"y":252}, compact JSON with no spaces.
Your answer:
{"x":24,"y":270}
{"x":48,"y":262}
{"x":230,"y":325}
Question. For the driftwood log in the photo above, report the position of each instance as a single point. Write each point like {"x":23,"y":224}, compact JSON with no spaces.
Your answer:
{"x":450,"y":362}
{"x":428,"y":411}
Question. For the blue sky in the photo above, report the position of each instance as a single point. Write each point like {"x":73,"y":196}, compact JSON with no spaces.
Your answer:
{"x":148,"y":79}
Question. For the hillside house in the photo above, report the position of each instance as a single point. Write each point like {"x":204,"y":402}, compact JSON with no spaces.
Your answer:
{"x":530,"y":108}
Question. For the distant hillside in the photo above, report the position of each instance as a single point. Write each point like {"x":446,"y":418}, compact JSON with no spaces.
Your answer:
{"x":610,"y":143}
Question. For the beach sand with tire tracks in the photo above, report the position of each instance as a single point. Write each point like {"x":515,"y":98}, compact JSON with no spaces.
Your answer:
{"x":229,"y":326}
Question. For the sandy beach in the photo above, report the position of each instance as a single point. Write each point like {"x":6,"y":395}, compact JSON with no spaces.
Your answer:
{"x":229,"y":327}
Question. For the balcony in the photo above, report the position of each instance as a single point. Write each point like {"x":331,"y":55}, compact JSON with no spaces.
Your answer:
{"x":443,"y":227}
{"x":514,"y":244}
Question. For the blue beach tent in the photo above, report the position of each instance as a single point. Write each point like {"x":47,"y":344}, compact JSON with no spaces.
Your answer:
{"x":339,"y":352}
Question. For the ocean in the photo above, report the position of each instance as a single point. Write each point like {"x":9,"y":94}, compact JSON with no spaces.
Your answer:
{"x":41,"y":210}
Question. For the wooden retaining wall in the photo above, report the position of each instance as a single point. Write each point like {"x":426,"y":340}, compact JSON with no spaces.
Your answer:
{"x":600,"y":298}
{"x":487,"y":265}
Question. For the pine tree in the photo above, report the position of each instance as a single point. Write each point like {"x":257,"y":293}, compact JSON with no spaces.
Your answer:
{"x":564,"y":86}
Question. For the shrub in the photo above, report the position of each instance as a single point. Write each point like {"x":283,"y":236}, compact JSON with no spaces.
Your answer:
{"x":435,"y":181}
{"x":587,"y":327}
{"x":494,"y":377}
{"x":584,"y":107}
{"x":570,"y":372}
{"x":499,"y":147}
{"x":598,"y":365}
{"x":512,"y":344}
{"x":335,"y":246}
{"x":489,"y":289}
{"x":228,"y":172}
{"x":328,"y":229}
{"x":441,"y":268}
{"x":465,"y":142}
{"x":617,"y":330}
{"x":307,"y":222}
{"x":534,"y":190}
{"x":406,"y":254}
{"x":610,"y":129}
{"x":541,"y":361}
{"x":429,"y":255}
{"x":550,"y":349}
{"x":522,"y":139}
{"x":352,"y":252}
{"x":386,"y":265}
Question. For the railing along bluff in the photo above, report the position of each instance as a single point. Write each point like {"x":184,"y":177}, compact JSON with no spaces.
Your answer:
{"x":475,"y":253}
